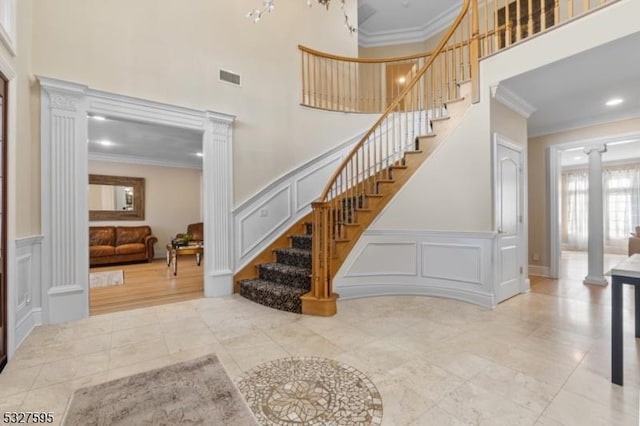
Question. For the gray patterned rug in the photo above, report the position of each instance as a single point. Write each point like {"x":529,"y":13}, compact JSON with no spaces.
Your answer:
{"x":196,"y":392}
{"x":310,"y":391}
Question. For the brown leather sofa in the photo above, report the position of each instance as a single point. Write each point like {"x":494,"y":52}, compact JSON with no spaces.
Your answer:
{"x":120,"y":244}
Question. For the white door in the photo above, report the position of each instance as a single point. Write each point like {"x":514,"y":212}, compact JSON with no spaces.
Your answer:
{"x":509,"y":190}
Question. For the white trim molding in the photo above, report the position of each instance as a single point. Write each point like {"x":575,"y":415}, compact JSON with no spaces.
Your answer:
{"x":512,"y":100}
{"x":8,"y":28}
{"x":263,"y":217}
{"x":410,"y":35}
{"x":456,"y":265}
{"x":65,"y":107}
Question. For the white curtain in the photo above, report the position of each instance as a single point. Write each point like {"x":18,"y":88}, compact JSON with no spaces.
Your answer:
{"x":621,"y":195}
{"x":621,"y":199}
{"x":575,"y":202}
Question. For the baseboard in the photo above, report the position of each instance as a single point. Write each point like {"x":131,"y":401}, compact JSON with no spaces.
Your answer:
{"x":539,"y":271}
{"x":27,"y":324}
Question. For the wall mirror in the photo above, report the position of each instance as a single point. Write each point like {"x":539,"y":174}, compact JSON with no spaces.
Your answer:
{"x":116,"y":198}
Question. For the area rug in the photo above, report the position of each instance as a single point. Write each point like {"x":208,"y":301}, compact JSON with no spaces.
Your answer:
{"x":106,"y":278}
{"x":310,"y":391}
{"x":196,"y":392}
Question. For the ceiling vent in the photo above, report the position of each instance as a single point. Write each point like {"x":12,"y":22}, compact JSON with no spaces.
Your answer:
{"x":229,"y":77}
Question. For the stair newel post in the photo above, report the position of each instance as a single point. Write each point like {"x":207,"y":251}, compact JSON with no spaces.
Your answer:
{"x":320,"y":300}
{"x":474,"y":53}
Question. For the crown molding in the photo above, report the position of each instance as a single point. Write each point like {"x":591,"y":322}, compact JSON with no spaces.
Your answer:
{"x":410,"y":35}
{"x":594,"y":120}
{"x":512,"y":100}
{"x":130,"y":159}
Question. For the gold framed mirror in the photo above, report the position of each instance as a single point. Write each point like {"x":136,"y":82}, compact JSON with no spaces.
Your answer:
{"x":116,"y":198}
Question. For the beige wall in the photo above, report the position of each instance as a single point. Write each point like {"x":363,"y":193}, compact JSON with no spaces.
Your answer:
{"x":24,"y":160}
{"x":172,"y":198}
{"x":508,"y":123}
{"x":164,"y":51}
{"x":538,"y":179}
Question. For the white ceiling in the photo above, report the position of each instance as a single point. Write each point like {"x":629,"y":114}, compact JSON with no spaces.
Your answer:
{"x":142,"y":143}
{"x":572,"y":92}
{"x":383,"y":22}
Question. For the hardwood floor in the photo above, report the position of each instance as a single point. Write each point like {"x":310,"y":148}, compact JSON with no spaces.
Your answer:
{"x":148,"y":284}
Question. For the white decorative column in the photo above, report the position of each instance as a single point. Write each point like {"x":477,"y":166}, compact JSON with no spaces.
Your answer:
{"x":218,"y":203}
{"x":65,"y":257}
{"x":596,"y":221}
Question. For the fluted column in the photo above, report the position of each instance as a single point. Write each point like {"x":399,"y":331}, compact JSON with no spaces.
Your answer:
{"x":218,"y":204}
{"x":596,"y":221}
{"x":65,"y":262}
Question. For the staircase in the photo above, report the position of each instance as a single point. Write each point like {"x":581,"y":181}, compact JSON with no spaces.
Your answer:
{"x":421,"y":99}
{"x":281,"y":284}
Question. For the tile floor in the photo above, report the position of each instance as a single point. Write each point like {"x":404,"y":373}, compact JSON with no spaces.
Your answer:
{"x":541,"y":358}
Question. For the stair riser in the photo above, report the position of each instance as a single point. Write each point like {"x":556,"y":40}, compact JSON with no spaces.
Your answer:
{"x":271,"y":300}
{"x":290,"y":279}
{"x":294,"y":259}
{"x":301,"y":242}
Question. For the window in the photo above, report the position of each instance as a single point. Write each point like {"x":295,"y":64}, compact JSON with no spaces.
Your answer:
{"x":621,"y":207}
{"x":8,"y":24}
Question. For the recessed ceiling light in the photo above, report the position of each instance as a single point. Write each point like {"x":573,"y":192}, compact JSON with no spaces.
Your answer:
{"x":614,"y":102}
{"x":98,"y":117}
{"x":105,"y":143}
{"x":199,"y":154}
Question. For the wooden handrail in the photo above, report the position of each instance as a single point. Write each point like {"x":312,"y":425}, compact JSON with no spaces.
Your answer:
{"x":326,"y":55}
{"x":396,"y":102}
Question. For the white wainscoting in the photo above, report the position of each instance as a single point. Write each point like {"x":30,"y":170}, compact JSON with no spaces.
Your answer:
{"x":27,"y":294}
{"x":265,"y":216}
{"x":457,"y":265}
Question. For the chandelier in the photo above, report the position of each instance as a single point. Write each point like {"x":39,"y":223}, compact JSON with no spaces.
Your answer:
{"x":267,"y":7}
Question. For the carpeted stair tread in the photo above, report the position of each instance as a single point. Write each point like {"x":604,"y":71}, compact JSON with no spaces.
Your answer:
{"x":273,"y":295}
{"x":294,"y":257}
{"x":301,"y":241}
{"x":280,"y":273}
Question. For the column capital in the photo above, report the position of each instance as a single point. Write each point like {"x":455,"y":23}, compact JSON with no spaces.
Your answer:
{"x":595,"y":148}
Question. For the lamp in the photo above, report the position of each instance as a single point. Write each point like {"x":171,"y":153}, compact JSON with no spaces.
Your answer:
{"x":267,"y":7}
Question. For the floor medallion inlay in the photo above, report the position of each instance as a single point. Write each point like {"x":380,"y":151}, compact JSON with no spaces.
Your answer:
{"x":310,"y":391}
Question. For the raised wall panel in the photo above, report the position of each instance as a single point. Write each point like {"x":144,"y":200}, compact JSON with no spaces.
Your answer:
{"x":265,"y":219}
{"x":28,"y":298}
{"x":310,"y":185}
{"x":24,"y":264}
{"x":261,"y":219}
{"x":457,"y":265}
{"x":452,"y":262}
{"x":379,"y":259}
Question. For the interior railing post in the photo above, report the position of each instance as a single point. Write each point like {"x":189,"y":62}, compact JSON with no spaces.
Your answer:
{"x":474,"y":54}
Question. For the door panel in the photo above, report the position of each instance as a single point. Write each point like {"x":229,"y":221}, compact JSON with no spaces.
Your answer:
{"x":3,"y":223}
{"x":509,"y":204}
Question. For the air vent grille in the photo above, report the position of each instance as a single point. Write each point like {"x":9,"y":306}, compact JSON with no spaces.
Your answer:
{"x":229,"y":77}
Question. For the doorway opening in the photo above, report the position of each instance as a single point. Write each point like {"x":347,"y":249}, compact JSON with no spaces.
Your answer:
{"x":145,"y":189}
{"x":570,"y":205}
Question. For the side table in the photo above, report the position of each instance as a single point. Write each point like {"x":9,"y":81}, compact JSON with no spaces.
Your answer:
{"x":174,"y":252}
{"x":626,"y":272}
